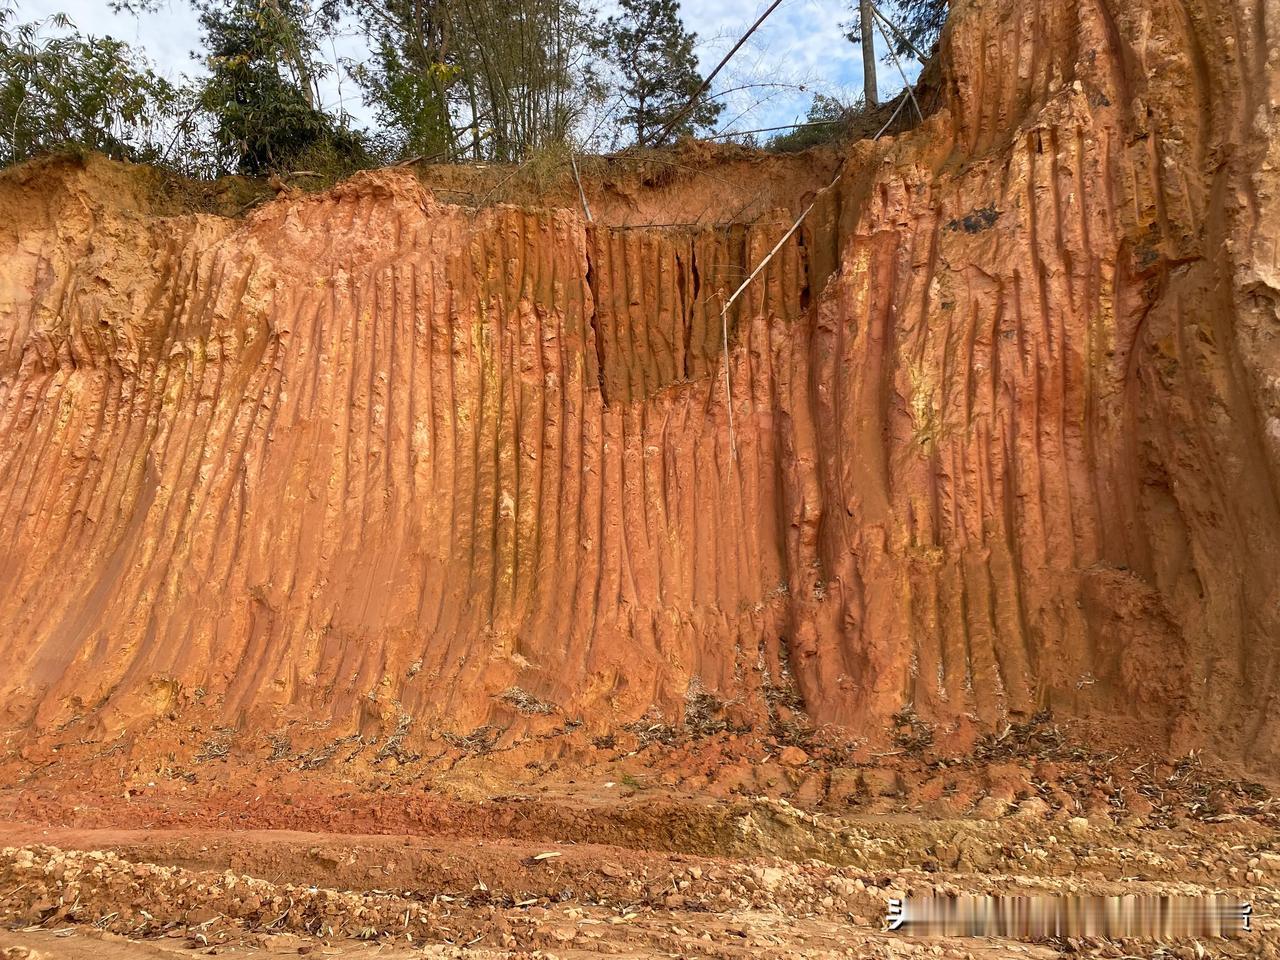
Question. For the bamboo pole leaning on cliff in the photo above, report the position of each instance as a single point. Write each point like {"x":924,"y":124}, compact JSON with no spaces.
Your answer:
{"x":724,"y":311}
{"x":902,"y":102}
{"x":888,"y":42}
{"x":706,"y":84}
{"x":902,"y":37}
{"x":582,"y":195}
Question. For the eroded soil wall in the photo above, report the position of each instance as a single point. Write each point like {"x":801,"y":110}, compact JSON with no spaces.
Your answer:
{"x":1006,"y":413}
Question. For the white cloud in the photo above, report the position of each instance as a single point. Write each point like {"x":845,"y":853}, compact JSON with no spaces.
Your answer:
{"x":168,"y":36}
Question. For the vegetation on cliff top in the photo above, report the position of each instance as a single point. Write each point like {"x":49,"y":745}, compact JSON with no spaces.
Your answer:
{"x":447,"y":80}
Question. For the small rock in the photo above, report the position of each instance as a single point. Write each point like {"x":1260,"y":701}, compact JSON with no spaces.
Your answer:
{"x":41,"y":909}
{"x":771,"y":878}
{"x":991,"y":808}
{"x":1270,"y":862}
{"x":881,"y":782}
{"x":1032,"y":809}
{"x":792,"y":756}
{"x":282,"y":943}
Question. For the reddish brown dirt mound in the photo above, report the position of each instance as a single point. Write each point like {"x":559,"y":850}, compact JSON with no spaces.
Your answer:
{"x":1006,"y":410}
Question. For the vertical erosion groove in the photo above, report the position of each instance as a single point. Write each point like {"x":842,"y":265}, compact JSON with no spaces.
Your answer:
{"x":596,"y":337}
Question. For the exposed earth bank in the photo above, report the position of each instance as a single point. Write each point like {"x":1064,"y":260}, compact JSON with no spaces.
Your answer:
{"x":1004,"y":428}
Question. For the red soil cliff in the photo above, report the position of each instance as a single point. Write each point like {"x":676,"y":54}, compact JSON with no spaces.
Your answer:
{"x":1006,"y":409}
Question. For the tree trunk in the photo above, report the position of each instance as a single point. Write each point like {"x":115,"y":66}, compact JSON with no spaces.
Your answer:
{"x":293,"y":50}
{"x":869,"y":55}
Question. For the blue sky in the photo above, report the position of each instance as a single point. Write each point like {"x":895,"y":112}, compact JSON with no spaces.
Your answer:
{"x":802,"y":43}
